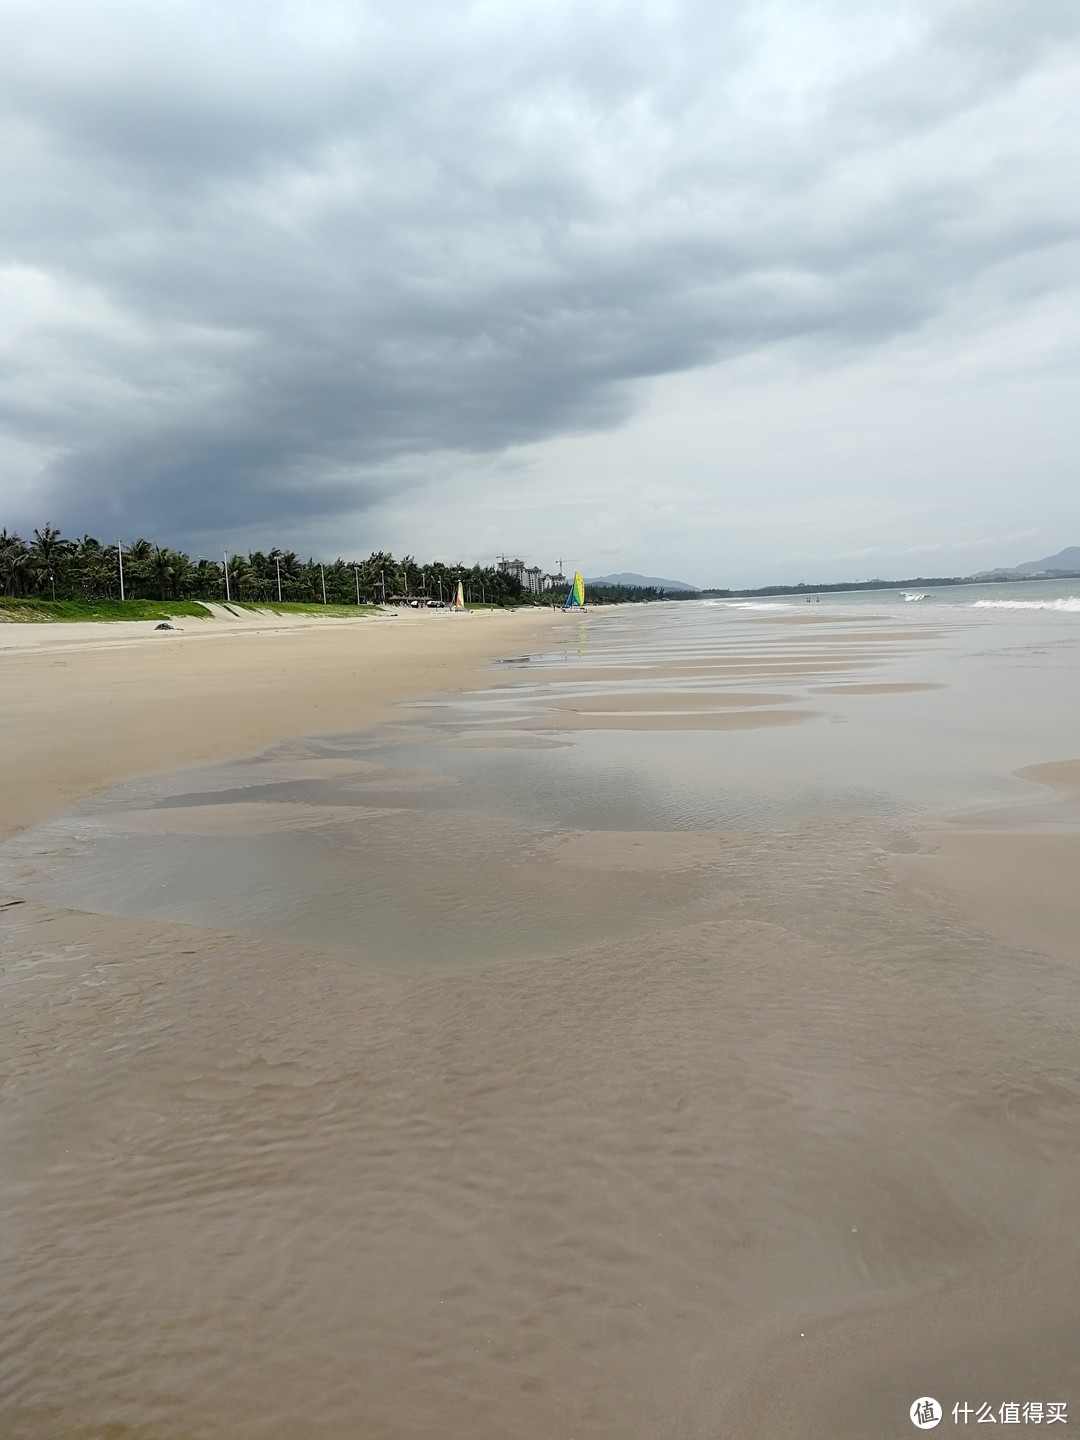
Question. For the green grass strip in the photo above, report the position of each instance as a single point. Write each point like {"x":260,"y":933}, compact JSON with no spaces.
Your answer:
{"x":302,"y":607}
{"x":38,"y":611}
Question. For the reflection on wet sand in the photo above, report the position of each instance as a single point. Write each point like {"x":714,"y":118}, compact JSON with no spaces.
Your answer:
{"x":623,"y":717}
{"x":899,"y":687}
{"x":1014,"y":870}
{"x":449,"y":1080}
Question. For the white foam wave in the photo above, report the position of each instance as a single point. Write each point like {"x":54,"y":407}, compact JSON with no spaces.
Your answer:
{"x":912,"y":595}
{"x":755,"y":605}
{"x":1070,"y":604}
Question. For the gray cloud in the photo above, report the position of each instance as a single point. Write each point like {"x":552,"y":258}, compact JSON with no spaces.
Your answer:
{"x":256,"y":257}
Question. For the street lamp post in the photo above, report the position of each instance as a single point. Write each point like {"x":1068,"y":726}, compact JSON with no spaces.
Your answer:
{"x":120,"y":558}
{"x":228,"y":596}
{"x":356,"y":570}
{"x":277,"y":562}
{"x":322,"y":572}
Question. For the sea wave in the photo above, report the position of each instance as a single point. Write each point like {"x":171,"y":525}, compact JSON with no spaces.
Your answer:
{"x":912,"y":594}
{"x":1069,"y":604}
{"x":752,"y":604}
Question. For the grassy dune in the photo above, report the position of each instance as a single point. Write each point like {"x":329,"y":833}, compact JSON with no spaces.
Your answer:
{"x":37,"y":610}
{"x":303,"y":607}
{"x":41,"y":611}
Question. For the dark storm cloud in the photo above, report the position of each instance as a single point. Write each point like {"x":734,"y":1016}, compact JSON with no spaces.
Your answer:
{"x":253,"y":256}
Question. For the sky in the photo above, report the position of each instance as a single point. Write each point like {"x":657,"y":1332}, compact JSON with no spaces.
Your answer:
{"x":728,"y":292}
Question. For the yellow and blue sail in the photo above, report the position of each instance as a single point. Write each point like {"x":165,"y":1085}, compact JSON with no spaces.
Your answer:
{"x":576,"y":599}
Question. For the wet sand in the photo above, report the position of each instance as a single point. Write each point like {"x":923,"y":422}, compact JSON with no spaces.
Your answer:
{"x":1014,"y":871}
{"x":86,"y":705}
{"x":463,"y":1076}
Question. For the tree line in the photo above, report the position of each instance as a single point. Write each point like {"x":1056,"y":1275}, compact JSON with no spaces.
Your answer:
{"x":633,"y":594}
{"x":51,"y":566}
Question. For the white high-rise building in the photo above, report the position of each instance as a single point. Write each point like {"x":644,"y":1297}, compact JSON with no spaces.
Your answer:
{"x":514,"y":568}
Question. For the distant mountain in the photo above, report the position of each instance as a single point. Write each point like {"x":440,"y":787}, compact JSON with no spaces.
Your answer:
{"x":628,"y":577}
{"x":1067,"y":559}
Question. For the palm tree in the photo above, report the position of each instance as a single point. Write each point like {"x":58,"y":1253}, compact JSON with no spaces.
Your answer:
{"x":48,"y":553}
{"x":206,"y":580}
{"x":138,"y":566}
{"x":259,"y":568}
{"x":87,"y":565}
{"x":15,"y":570}
{"x":291,"y":574}
{"x":239,"y":576}
{"x":182,"y":574}
{"x":161,"y":562}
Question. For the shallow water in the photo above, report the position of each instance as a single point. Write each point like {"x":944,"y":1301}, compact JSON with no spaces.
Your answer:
{"x":561,"y":1059}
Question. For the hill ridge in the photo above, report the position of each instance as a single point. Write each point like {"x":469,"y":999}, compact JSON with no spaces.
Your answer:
{"x":1067,"y":559}
{"x":630,"y":577}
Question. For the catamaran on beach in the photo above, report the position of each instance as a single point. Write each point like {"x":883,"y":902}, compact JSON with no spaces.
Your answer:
{"x":575,"y":600}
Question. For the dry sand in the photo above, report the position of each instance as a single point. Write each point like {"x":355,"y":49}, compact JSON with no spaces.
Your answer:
{"x":84,"y":706}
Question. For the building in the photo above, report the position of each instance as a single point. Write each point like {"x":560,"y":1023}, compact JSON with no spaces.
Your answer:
{"x":531,"y":578}
{"x":515,"y":569}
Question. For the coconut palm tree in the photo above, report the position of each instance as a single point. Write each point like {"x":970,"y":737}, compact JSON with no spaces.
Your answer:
{"x":49,"y":552}
{"x":139,"y":566}
{"x":93,"y":570}
{"x":240,"y":577}
{"x":291,"y":574}
{"x":206,"y":581}
{"x":161,"y":564}
{"x":263,"y":575}
{"x":182,"y":574}
{"x":15,"y":569}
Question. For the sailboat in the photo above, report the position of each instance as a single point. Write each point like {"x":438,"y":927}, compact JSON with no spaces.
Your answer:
{"x":459,"y":598}
{"x":576,"y":599}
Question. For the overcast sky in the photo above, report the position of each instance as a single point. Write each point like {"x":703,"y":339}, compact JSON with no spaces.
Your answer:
{"x":730,"y":292}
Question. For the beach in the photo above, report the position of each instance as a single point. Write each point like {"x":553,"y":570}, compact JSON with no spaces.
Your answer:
{"x":657,"y":1022}
{"x":87,"y":704}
